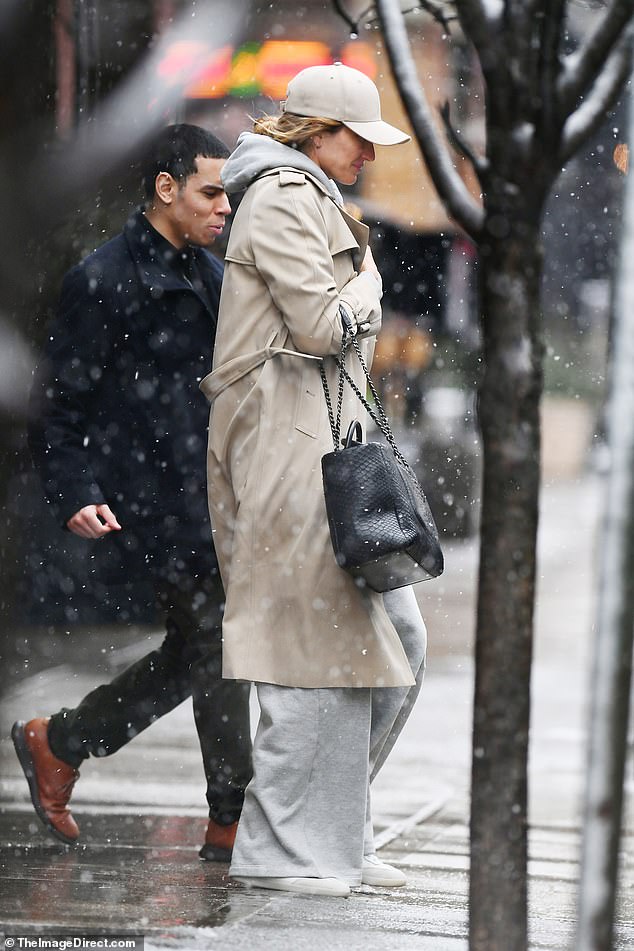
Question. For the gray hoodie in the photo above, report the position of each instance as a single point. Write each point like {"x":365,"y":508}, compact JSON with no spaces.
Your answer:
{"x":256,"y":154}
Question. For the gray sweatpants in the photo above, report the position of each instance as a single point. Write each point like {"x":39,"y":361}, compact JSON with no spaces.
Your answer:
{"x":307,"y":809}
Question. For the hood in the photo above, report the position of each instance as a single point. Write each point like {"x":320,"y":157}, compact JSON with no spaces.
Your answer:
{"x":256,"y":154}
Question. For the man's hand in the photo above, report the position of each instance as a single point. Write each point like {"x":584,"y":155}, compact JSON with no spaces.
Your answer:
{"x":93,"y":521}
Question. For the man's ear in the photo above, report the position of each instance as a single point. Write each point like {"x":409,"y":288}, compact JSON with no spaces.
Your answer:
{"x":165,"y":187}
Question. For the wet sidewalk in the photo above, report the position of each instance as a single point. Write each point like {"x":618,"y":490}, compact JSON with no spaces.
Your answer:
{"x":142,"y":811}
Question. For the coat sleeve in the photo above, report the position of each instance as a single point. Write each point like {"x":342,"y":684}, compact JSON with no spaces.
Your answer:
{"x":78,"y":347}
{"x":295,"y":261}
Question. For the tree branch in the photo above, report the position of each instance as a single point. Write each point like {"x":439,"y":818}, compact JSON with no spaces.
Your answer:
{"x":519,"y":29}
{"x":436,"y":11}
{"x":583,"y":65}
{"x":433,"y":7}
{"x":451,"y":188}
{"x":553,"y":14}
{"x":340,"y":7}
{"x":480,"y":163}
{"x":591,"y":113}
{"x":480,"y":25}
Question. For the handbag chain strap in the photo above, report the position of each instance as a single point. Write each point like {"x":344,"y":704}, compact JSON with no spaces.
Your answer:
{"x":335,"y":422}
{"x":380,"y":417}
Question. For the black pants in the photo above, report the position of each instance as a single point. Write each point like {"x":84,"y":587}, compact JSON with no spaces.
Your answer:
{"x":188,"y":663}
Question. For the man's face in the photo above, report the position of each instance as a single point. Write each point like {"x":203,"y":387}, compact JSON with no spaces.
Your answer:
{"x":196,"y":214}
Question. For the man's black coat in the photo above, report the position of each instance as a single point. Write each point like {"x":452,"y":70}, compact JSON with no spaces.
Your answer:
{"x":116,"y":413}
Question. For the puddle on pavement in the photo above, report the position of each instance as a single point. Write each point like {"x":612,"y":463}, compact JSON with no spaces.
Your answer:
{"x":143,"y":877}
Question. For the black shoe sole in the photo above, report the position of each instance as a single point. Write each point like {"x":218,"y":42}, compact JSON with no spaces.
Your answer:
{"x":26,"y":762}
{"x":210,"y":853}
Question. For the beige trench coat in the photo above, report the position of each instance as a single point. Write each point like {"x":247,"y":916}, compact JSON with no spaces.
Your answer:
{"x":293,"y":617}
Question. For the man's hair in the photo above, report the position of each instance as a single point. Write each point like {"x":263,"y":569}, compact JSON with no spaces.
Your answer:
{"x":175,"y":150}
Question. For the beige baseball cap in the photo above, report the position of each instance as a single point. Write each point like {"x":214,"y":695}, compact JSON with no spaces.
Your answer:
{"x":345,"y":94}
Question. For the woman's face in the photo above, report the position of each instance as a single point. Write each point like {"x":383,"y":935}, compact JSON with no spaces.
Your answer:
{"x":341,"y":154}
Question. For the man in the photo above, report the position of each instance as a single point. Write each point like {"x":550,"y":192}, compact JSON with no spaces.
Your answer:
{"x":118,"y":434}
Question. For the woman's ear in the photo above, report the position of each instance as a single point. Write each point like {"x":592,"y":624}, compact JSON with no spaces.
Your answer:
{"x":165,"y":187}
{"x":317,"y":141}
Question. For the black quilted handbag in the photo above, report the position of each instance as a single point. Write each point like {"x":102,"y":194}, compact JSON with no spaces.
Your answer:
{"x":382,"y":529}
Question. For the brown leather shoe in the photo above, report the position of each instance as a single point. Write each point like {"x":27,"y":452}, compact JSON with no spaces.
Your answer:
{"x":219,"y":842}
{"x":50,"y":779}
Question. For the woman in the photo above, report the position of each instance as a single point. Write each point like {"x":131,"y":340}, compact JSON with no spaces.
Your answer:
{"x":335,"y":680}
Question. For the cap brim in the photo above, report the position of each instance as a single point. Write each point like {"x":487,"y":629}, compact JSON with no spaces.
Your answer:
{"x":378,"y":132}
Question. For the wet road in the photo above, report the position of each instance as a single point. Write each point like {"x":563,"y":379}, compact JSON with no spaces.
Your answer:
{"x":142,"y":811}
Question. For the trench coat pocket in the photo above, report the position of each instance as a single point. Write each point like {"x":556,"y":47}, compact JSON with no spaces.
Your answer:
{"x":309,"y":399}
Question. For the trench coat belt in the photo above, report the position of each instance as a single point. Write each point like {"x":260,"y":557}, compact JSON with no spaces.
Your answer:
{"x":219,"y":379}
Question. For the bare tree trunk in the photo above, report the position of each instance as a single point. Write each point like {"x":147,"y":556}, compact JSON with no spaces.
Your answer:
{"x":510,"y":393}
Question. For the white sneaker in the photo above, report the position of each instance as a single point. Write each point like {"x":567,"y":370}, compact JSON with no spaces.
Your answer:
{"x":376,"y":872}
{"x":304,"y":886}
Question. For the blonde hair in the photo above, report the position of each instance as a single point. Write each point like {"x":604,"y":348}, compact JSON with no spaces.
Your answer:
{"x":293,"y":130}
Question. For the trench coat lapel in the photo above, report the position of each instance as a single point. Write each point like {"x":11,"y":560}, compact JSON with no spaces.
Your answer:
{"x":360,"y":233}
